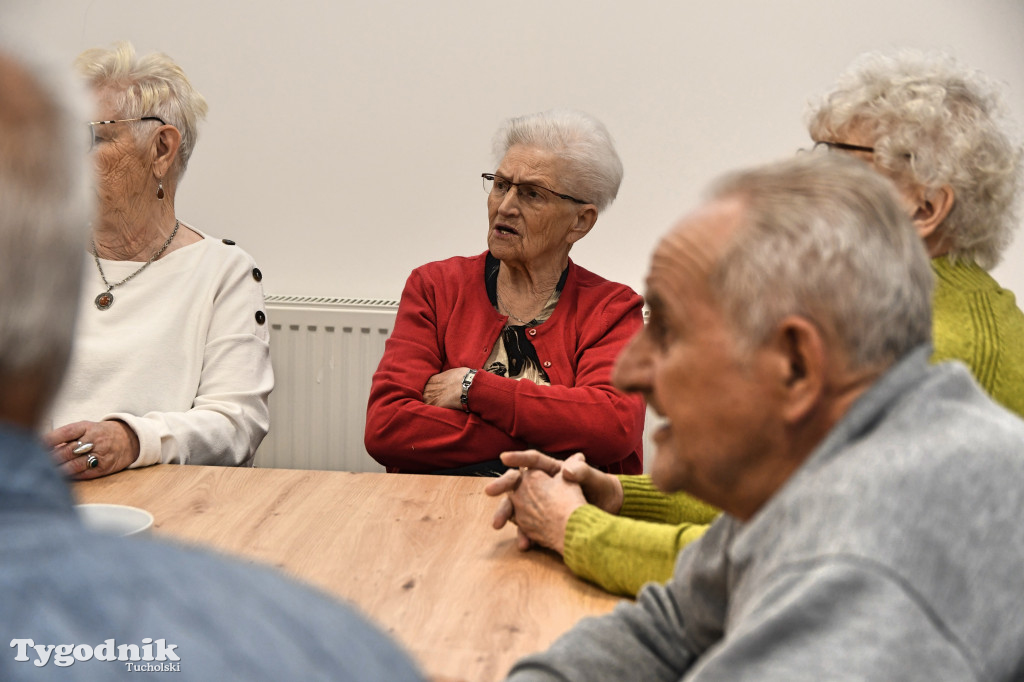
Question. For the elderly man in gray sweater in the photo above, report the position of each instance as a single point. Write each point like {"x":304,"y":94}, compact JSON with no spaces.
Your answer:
{"x":873,"y":503}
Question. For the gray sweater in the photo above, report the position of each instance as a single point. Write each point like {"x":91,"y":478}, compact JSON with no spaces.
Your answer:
{"x":896,"y":552}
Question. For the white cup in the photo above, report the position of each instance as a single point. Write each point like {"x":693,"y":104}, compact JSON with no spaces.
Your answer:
{"x":115,"y":519}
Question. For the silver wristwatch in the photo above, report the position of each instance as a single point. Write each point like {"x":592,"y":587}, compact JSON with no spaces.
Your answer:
{"x":467,"y":381}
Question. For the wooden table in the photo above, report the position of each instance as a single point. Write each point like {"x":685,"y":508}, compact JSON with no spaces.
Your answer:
{"x":415,"y":553}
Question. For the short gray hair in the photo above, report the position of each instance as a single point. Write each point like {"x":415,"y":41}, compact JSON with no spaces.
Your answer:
{"x":46,"y":202}
{"x":824,"y":237}
{"x":580,"y":139}
{"x":153,"y":85}
{"x":935,"y":122}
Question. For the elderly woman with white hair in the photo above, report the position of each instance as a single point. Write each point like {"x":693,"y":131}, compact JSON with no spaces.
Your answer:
{"x":938,"y":130}
{"x":514,"y":348}
{"x":171,"y":361}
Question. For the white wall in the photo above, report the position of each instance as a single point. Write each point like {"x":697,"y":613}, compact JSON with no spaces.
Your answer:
{"x":345,"y":139}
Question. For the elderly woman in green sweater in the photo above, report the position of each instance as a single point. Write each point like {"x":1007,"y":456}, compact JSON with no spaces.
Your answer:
{"x":938,"y":131}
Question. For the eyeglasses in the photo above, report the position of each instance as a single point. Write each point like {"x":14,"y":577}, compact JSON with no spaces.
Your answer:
{"x":530,"y":194}
{"x":93,"y":124}
{"x":842,"y":146}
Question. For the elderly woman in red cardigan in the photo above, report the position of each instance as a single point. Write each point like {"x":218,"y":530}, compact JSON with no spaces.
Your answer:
{"x":513,"y":348}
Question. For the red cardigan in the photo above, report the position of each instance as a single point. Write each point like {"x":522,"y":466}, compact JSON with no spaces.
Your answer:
{"x":445,"y":320}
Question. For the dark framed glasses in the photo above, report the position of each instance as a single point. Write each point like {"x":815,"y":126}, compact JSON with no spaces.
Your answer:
{"x":528,"y":192}
{"x":841,"y":146}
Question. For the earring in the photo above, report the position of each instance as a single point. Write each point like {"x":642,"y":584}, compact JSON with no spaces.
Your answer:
{"x":160,"y":191}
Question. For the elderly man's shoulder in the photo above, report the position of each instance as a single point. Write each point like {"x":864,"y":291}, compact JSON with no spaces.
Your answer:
{"x":90,"y":588}
{"x":944,"y":439}
{"x":927,"y":491}
{"x":951,"y":422}
{"x":924,"y":497}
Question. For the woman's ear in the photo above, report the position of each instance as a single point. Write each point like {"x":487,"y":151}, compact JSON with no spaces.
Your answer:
{"x":930,"y":210}
{"x":165,"y":149}
{"x":586,"y":216}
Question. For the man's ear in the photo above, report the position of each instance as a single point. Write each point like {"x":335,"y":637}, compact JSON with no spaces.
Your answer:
{"x":801,"y":364}
{"x":165,"y":149}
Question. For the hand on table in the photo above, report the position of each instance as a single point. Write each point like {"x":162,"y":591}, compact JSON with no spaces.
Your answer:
{"x":542,"y":493}
{"x":445,"y":388}
{"x":114,"y":447}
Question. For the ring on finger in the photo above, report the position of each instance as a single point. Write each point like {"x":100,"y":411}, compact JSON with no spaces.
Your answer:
{"x":91,"y":462}
{"x":82,"y":449}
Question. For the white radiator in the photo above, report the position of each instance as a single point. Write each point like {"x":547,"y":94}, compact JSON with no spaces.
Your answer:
{"x":324,"y":351}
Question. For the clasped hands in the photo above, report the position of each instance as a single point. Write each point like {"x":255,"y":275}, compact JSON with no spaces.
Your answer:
{"x":542,"y":492}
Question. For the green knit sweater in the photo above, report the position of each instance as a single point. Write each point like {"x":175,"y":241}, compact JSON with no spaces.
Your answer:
{"x":974,"y":321}
{"x":621,"y":553}
{"x":978,"y":322}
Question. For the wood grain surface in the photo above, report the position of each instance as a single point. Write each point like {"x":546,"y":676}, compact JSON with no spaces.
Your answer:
{"x":415,"y":553}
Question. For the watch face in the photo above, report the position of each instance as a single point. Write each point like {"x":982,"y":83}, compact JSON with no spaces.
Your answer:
{"x":467,"y":381}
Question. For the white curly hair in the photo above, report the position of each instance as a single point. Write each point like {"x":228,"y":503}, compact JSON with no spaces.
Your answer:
{"x":934,"y":123}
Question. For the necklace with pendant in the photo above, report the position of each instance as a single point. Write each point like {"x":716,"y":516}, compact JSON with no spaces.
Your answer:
{"x":106,"y":299}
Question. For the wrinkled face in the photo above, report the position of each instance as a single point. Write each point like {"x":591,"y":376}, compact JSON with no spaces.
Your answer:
{"x":123,"y":167}
{"x":535,"y":228}
{"x":717,"y":402}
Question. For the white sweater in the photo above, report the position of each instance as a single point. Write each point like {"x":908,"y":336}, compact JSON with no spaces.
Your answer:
{"x":181,"y":356}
